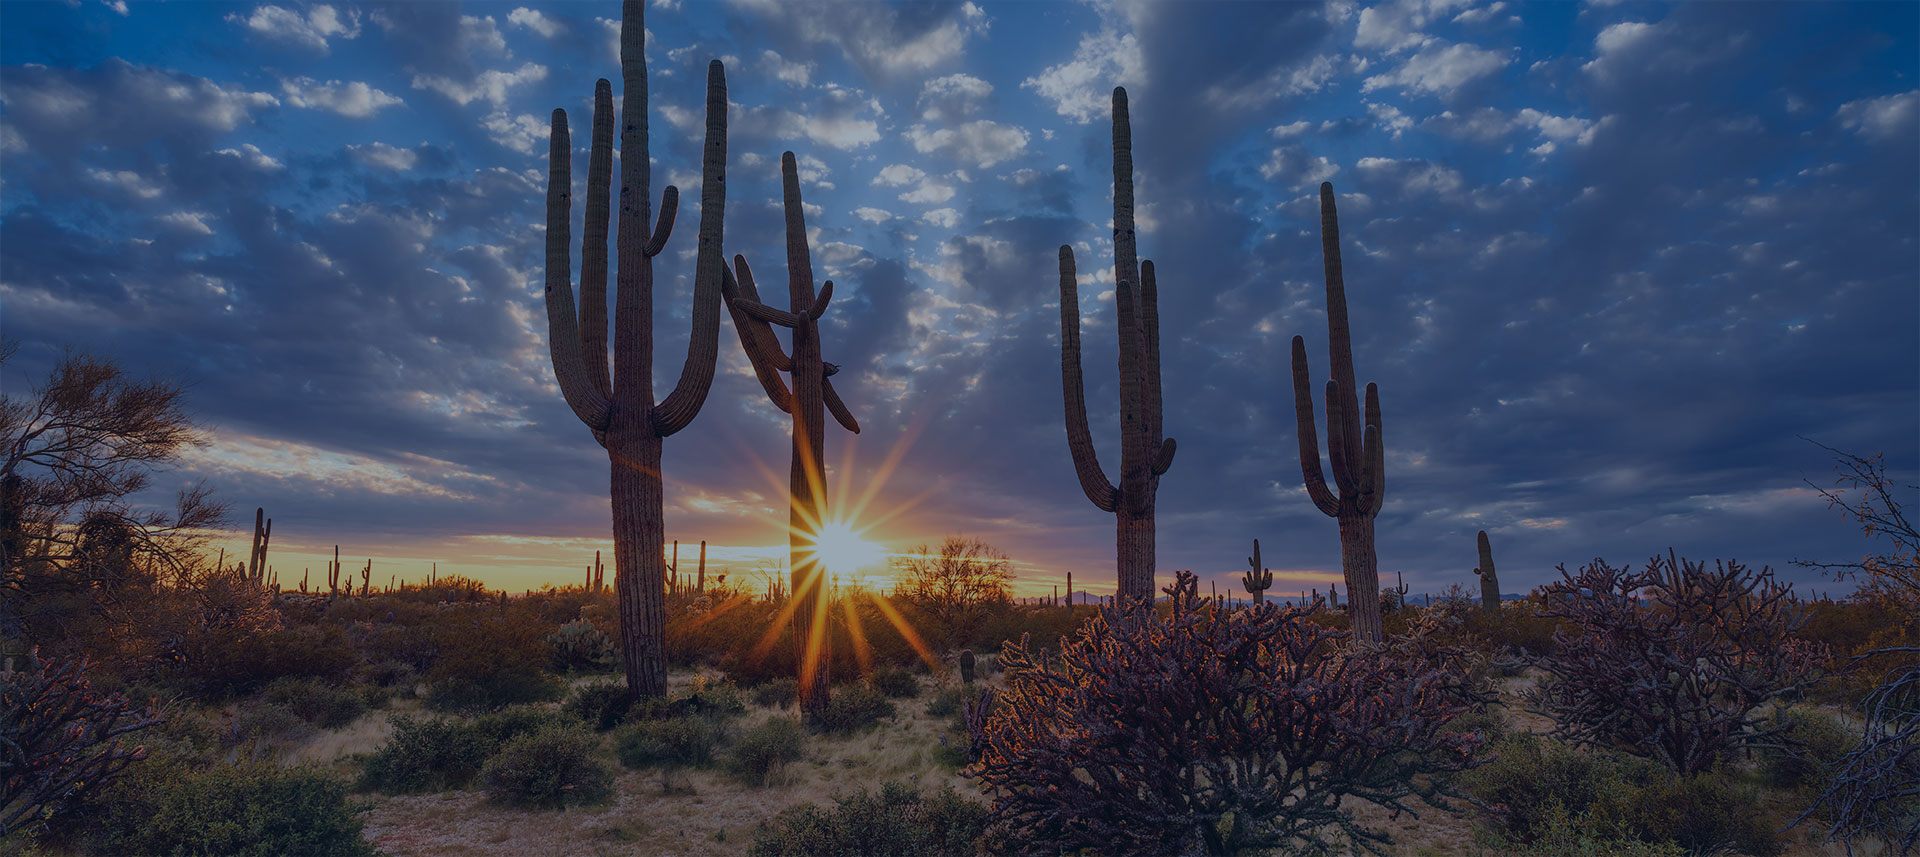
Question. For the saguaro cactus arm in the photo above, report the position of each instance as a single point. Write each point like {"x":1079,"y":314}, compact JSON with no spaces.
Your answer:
{"x":592,"y":406}
{"x":1316,"y":480}
{"x":696,"y":376}
{"x":1086,"y":463}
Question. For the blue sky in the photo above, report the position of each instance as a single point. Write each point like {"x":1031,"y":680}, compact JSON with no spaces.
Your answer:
{"x":1605,"y":262}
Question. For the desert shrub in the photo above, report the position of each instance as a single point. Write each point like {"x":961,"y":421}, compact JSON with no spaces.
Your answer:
{"x":224,"y":662}
{"x":712,"y":697}
{"x":1562,"y":836}
{"x":945,"y":702}
{"x":323,"y":704}
{"x":386,"y":674}
{"x":896,"y":683}
{"x":60,"y":741}
{"x":578,"y":645}
{"x":484,"y":660}
{"x":1674,"y":662}
{"x":552,"y":768}
{"x":899,"y":821}
{"x":248,"y":810}
{"x":758,"y":756}
{"x":778,"y":693}
{"x":1518,"y":627}
{"x":673,"y":742}
{"x":851,"y":708}
{"x":498,"y":727}
{"x":493,"y":690}
{"x":1816,"y":743}
{"x":1487,"y":721}
{"x":601,"y":705}
{"x":1871,"y":792}
{"x":426,"y":755}
{"x":1263,"y":699}
{"x":264,"y":721}
{"x":1536,"y":783}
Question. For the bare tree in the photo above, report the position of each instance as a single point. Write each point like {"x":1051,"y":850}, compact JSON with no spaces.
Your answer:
{"x":1896,"y":573}
{"x":953,"y":584}
{"x":72,"y":455}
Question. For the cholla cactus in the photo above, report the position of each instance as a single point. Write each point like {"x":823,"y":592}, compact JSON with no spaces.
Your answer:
{"x":580,"y":645}
{"x":1259,"y":578}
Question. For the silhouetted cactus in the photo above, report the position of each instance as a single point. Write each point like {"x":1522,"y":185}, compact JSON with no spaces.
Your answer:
{"x":257,"y":559}
{"x":812,"y":395}
{"x":966,"y":666}
{"x":1358,"y":462}
{"x":1144,"y":454}
{"x":620,"y":411}
{"x":1489,"y":584}
{"x":1259,"y":578}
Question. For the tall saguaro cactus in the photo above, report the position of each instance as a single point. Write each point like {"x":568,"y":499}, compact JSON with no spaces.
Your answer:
{"x":262,"y":534}
{"x":809,"y":400}
{"x":1489,"y":584}
{"x":621,"y":411}
{"x":1359,"y":470}
{"x":1144,"y":454}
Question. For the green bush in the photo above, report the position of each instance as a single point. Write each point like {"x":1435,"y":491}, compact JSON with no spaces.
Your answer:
{"x":758,"y":756}
{"x":1536,"y":783}
{"x":778,"y":693}
{"x":227,"y":661}
{"x":896,"y":683}
{"x":264,"y":721}
{"x":945,"y":702}
{"x":578,"y":645}
{"x":601,"y":705}
{"x":426,"y":755}
{"x":1573,"y":837}
{"x":507,"y":687}
{"x":247,"y":810}
{"x":1821,"y":741}
{"x":673,"y":742}
{"x":327,"y":705}
{"x":712,"y":696}
{"x":897,"y":822}
{"x":851,"y":708}
{"x":553,"y":768}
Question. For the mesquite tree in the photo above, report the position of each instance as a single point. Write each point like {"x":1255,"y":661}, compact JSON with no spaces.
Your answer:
{"x":1144,"y":454}
{"x":1674,"y":662}
{"x":812,"y":395}
{"x":620,"y":410}
{"x":1359,"y":468}
{"x":1213,"y":732}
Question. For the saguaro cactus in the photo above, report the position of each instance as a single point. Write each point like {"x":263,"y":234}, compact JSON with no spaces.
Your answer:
{"x":262,"y":533}
{"x":1144,"y":454}
{"x":1489,"y":584}
{"x":621,"y":411}
{"x":809,"y":400}
{"x":1257,"y":580}
{"x":1358,"y":463}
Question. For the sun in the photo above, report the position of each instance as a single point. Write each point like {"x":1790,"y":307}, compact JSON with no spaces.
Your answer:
{"x":843,"y":551}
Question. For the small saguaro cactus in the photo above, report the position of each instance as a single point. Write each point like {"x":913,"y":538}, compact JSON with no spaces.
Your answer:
{"x":366,"y":579}
{"x":966,"y":667}
{"x":620,"y":411}
{"x":1259,"y":578}
{"x":700,"y":578}
{"x":810,"y":399}
{"x":333,"y":575}
{"x":1333,"y":596}
{"x":1489,"y":584}
{"x":1144,"y":454}
{"x":1359,"y":469}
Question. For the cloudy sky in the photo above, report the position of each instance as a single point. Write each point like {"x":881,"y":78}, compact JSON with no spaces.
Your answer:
{"x":1605,"y":261}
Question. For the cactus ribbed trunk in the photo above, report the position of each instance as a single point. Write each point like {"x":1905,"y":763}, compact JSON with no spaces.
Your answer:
{"x":1489,"y":582}
{"x":1354,"y":448}
{"x":620,"y":410}
{"x":1144,"y":453}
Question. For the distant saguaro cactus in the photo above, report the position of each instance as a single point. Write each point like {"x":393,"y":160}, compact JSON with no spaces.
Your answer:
{"x":1259,"y":578}
{"x":621,"y":411}
{"x":1489,"y":584}
{"x":1144,"y":454}
{"x":966,"y":666}
{"x":809,"y":400}
{"x":1358,"y":463}
{"x":262,"y":533}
